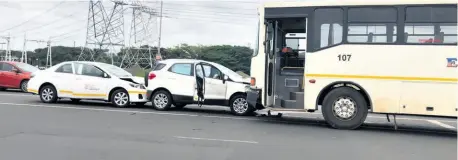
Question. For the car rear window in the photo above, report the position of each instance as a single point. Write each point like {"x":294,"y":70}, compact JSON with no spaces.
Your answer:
{"x":159,"y":66}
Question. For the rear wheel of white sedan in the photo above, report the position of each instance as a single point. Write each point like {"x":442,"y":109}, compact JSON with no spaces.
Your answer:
{"x":120,"y":98}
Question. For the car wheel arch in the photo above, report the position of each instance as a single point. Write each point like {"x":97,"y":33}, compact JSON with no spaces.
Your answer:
{"x":235,"y":94}
{"x":45,"y":84}
{"x":25,"y":79}
{"x":113,"y":90}
{"x":161,"y":89}
{"x":339,"y":84}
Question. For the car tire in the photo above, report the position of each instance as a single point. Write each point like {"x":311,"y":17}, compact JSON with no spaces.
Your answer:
{"x":239,"y":106}
{"x":120,"y":98}
{"x":24,"y":85}
{"x":74,"y":100}
{"x":161,"y":100}
{"x":48,"y":94}
{"x":344,"y":108}
{"x":179,"y":105}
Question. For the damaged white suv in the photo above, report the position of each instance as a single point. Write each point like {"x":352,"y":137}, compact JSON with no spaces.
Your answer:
{"x":79,"y":80}
{"x":180,"y":82}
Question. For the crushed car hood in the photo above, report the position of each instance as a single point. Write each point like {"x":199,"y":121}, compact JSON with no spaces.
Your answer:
{"x":133,"y":79}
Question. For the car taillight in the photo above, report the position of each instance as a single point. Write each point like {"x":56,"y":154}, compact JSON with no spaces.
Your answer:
{"x":151,"y":76}
{"x":253,"y":81}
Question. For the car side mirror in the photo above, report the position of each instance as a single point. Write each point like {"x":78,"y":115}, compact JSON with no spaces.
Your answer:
{"x":226,"y":77}
{"x":15,"y":70}
{"x":105,"y":75}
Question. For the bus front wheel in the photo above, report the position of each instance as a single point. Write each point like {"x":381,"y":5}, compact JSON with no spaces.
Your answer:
{"x":344,"y":108}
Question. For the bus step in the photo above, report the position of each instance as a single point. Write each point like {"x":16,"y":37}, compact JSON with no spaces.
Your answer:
{"x":290,"y":104}
{"x":296,"y":95}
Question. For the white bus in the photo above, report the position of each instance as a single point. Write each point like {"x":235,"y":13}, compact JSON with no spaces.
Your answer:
{"x":395,"y":57}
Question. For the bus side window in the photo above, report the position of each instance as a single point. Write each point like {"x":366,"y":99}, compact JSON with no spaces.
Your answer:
{"x":426,"y":24}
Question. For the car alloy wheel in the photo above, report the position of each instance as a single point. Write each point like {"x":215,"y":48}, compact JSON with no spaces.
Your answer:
{"x":47,"y":94}
{"x":240,"y":105}
{"x":121,"y":98}
{"x":160,"y":100}
{"x":24,"y":86}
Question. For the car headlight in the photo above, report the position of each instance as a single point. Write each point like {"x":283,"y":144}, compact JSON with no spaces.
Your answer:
{"x":247,"y":88}
{"x":135,"y":85}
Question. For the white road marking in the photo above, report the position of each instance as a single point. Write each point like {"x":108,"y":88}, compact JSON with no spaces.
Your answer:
{"x":441,"y":124}
{"x":289,"y":113}
{"x":223,"y":140}
{"x":97,"y":109}
{"x":379,"y":117}
{"x":183,"y":114}
{"x":21,"y":95}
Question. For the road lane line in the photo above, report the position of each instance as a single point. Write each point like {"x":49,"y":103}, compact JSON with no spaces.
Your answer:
{"x":384,"y":117}
{"x":21,"y":95}
{"x":223,"y":140}
{"x":98,"y":109}
{"x":289,"y":113}
{"x":176,"y":114}
{"x":441,"y":124}
{"x":140,"y":112}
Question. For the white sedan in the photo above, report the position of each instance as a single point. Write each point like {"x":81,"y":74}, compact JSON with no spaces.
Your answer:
{"x":79,"y":80}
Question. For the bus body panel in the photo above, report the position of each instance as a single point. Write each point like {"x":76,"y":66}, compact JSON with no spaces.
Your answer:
{"x":258,"y":62}
{"x":398,"y":78}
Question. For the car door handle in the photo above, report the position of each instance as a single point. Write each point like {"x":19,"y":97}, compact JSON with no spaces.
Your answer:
{"x":78,"y":78}
{"x":172,"y":78}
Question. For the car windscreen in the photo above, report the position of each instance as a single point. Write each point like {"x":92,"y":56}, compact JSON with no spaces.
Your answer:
{"x":116,"y":71}
{"x":27,"y":67}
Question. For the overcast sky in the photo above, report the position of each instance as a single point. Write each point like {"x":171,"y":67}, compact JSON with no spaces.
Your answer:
{"x":193,"y":22}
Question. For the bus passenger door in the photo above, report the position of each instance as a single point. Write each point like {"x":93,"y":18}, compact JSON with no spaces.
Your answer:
{"x":271,"y":49}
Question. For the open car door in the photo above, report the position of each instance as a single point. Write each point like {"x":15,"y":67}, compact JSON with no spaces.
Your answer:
{"x":199,"y":94}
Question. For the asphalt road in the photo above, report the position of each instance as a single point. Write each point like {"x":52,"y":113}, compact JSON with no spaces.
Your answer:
{"x":30,"y":129}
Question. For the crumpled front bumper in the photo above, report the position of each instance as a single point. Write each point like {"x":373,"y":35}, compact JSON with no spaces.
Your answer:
{"x":254,"y":98}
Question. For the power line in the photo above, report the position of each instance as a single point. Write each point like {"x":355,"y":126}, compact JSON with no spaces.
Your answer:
{"x":67,"y":33}
{"x":182,"y":17}
{"x":204,"y":11}
{"x":49,"y":23}
{"x":54,"y":7}
{"x":212,"y":16}
{"x":187,"y":5}
{"x":65,"y":25}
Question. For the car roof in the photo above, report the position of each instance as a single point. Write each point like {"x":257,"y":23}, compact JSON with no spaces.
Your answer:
{"x":85,"y":62}
{"x":9,"y":62}
{"x":180,"y":61}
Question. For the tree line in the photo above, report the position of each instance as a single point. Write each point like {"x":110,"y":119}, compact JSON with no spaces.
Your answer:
{"x":237,"y":58}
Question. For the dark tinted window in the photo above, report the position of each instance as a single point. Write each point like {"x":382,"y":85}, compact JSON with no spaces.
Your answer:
{"x":372,"y":14}
{"x":372,"y":25}
{"x":6,"y":67}
{"x":66,"y":68}
{"x":431,"y":25}
{"x":431,"y":14}
{"x":328,"y":29}
{"x":159,"y":66}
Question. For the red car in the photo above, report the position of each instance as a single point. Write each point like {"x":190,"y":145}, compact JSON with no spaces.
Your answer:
{"x":15,"y":75}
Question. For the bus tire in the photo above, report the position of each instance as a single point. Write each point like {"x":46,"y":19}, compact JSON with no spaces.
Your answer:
{"x":344,"y":108}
